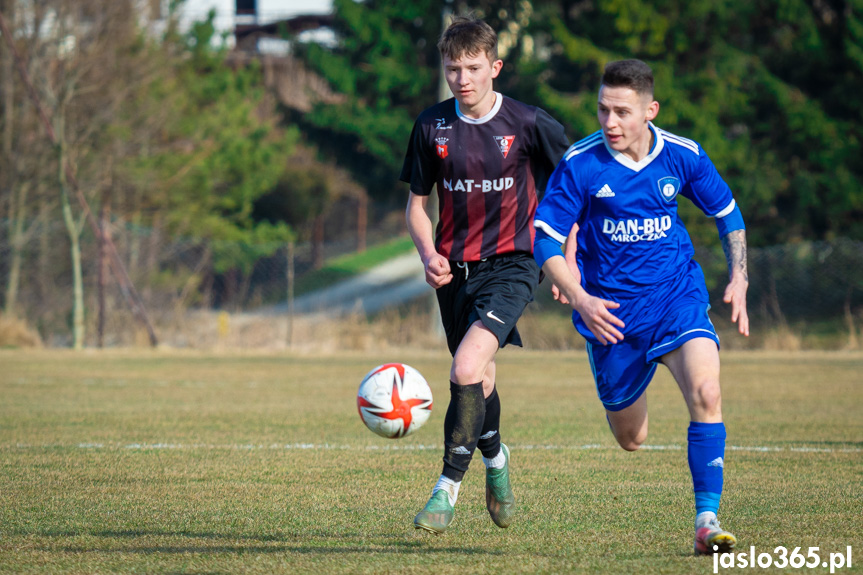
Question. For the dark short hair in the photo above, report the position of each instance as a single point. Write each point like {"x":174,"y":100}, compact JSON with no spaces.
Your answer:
{"x":633,"y":74}
{"x":468,"y":35}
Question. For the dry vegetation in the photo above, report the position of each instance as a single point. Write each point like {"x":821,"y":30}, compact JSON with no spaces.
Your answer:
{"x":413,"y":326}
{"x":16,"y":333}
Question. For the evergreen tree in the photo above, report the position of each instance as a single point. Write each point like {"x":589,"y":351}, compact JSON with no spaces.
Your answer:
{"x":385,"y":64}
{"x":768,"y":88}
{"x":215,"y":146}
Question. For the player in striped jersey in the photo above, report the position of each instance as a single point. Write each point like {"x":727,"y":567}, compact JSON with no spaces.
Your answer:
{"x":639,"y":298}
{"x":487,"y":155}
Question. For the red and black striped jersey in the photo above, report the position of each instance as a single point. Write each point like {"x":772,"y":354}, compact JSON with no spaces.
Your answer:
{"x":487,"y":171}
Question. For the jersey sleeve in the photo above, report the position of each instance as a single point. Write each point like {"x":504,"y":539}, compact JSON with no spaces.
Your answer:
{"x":562,"y":205}
{"x":711,"y":194}
{"x":545,"y":247}
{"x":418,"y":168}
{"x":551,"y":145}
{"x":707,"y":190}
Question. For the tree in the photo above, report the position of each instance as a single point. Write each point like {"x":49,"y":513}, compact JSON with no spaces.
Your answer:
{"x":768,"y":88}
{"x":210,"y":145}
{"x":764,"y":87}
{"x":67,"y":47}
{"x":385,"y":63}
{"x":187,"y":141}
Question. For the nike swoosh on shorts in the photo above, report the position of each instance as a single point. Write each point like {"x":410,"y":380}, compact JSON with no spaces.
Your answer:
{"x":494,"y":317}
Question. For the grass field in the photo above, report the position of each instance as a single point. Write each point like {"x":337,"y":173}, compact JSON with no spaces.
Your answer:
{"x":138,"y":462}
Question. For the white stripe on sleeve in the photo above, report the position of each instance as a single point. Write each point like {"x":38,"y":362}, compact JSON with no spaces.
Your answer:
{"x":540,"y":225}
{"x":728,"y":209}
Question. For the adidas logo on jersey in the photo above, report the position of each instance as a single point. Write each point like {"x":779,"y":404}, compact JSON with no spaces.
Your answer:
{"x":605,"y":192}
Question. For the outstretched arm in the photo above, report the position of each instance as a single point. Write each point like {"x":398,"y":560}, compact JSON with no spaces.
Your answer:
{"x":437,"y":268}
{"x":734,"y":246}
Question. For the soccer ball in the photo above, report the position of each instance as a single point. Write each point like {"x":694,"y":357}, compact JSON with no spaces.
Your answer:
{"x":394,"y":400}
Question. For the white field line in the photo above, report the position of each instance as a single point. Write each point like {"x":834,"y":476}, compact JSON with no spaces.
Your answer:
{"x":396,"y":447}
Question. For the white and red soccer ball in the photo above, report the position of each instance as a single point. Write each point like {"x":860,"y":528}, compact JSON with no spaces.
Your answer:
{"x":394,"y":400}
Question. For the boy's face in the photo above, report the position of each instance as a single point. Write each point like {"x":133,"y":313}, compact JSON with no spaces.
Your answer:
{"x":470,"y":79}
{"x":623,"y":115}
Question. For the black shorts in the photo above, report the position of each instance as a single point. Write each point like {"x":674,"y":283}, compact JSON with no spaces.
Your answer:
{"x":494,"y":291}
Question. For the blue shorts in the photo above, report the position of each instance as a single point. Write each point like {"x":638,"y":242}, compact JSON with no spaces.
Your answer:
{"x":623,"y":370}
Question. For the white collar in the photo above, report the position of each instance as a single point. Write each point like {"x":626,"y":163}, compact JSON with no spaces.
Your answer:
{"x":645,"y":161}
{"x":498,"y":101}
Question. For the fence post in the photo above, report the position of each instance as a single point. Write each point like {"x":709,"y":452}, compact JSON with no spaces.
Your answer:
{"x":289,"y":338}
{"x":362,"y":220}
{"x":104,"y":222}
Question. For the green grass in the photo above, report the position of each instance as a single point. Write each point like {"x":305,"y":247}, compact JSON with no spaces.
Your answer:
{"x":348,"y":265}
{"x":160,"y":462}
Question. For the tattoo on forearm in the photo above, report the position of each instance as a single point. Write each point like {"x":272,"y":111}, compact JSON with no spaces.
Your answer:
{"x":734,"y":246}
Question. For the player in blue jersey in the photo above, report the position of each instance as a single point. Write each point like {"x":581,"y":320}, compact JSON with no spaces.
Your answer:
{"x":639,"y":298}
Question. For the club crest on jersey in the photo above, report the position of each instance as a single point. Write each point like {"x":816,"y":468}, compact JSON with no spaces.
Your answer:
{"x":504,"y":143}
{"x":441,"y":147}
{"x":668,"y":187}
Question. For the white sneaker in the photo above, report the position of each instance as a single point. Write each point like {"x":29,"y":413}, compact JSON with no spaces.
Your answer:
{"x":710,"y":538}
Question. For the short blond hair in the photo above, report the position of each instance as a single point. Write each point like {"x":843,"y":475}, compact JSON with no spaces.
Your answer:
{"x":468,"y":35}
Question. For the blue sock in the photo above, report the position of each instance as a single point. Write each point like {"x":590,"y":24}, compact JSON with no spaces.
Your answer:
{"x":706,"y":501}
{"x":706,"y":461}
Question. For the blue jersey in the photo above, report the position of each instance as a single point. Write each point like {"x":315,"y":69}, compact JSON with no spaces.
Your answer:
{"x":631,"y":238}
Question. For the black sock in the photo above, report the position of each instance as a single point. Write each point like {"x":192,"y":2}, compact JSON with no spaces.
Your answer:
{"x":489,"y":439}
{"x":462,"y":427}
